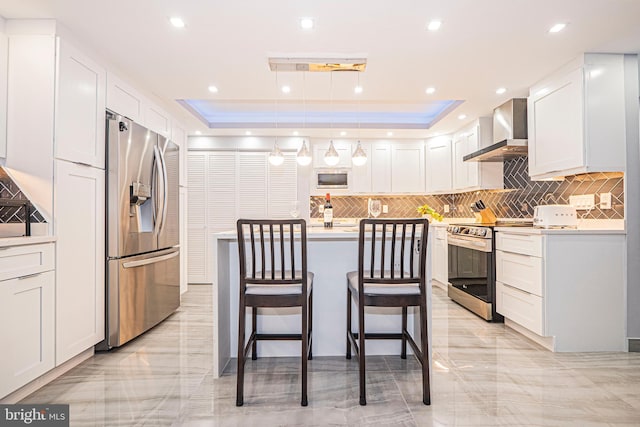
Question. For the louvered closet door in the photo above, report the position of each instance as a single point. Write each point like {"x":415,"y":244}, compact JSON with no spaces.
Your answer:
{"x":222,"y":188}
{"x":252,"y":185}
{"x":197,"y":217}
{"x":282,"y":185}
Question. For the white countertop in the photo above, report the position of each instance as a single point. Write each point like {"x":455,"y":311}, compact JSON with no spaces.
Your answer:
{"x":23,"y":240}
{"x":575,"y":231}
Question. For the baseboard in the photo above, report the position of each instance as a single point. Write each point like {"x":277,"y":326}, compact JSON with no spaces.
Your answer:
{"x":45,"y":379}
{"x":546,"y":342}
{"x":634,"y":345}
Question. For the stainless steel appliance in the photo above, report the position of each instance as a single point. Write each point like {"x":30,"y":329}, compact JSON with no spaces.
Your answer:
{"x":472,"y":267}
{"x":509,"y":134}
{"x":143,"y":263}
{"x":332,"y":179}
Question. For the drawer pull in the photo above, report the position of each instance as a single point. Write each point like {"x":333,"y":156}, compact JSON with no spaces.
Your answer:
{"x":28,"y":276}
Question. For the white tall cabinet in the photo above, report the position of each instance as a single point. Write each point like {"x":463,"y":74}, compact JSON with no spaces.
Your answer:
{"x":226,"y":185}
{"x":4,"y":54}
{"x":52,"y":82}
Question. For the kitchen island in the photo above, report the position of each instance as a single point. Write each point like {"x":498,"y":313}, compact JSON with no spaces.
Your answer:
{"x":331,"y":254}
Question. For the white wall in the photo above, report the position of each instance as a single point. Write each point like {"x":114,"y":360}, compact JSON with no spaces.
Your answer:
{"x":632,"y":195}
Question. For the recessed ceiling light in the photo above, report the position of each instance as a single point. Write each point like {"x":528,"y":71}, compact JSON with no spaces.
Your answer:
{"x":306,"y":23}
{"x":295,"y":133}
{"x":248,"y":132}
{"x":198,"y":132}
{"x":462,"y":116}
{"x":501,"y":90}
{"x":286,"y":89}
{"x":389,"y":133}
{"x":176,"y":21}
{"x":213,"y":89}
{"x":343,"y":133}
{"x":430,"y":90}
{"x":357,"y":89}
{"x":434,"y":25}
{"x":557,"y":28}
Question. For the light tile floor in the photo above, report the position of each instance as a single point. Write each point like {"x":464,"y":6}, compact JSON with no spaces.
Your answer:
{"x":483,"y":375}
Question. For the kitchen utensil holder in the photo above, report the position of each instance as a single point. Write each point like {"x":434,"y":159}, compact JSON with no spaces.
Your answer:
{"x":486,"y":216}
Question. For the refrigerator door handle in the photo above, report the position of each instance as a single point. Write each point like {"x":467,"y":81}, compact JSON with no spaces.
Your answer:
{"x":140,"y":263}
{"x":157,"y":172}
{"x":165,"y":185}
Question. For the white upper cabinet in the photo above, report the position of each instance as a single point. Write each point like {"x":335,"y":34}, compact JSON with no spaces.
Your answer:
{"x":80,"y":108}
{"x":469,"y":176}
{"x":179,"y":136}
{"x":438,"y":168}
{"x":577,"y":118}
{"x":157,"y":119}
{"x":344,"y":152}
{"x":124,"y":99}
{"x":380,"y":167}
{"x":361,"y":175}
{"x":4,"y":55}
{"x":407,"y":167}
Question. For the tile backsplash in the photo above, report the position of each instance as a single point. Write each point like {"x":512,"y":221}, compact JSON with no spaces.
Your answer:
{"x":10,"y":190}
{"x":517,"y":200}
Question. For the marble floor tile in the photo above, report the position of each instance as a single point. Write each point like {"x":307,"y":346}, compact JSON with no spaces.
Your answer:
{"x":483,"y":374}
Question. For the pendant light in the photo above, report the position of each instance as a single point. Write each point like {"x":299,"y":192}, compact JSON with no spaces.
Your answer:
{"x":359,"y":157}
{"x":276,"y":158}
{"x":331,"y":157}
{"x":304,"y":155}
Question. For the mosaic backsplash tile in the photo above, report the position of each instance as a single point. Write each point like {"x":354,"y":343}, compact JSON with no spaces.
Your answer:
{"x":9,"y":190}
{"x":517,"y":200}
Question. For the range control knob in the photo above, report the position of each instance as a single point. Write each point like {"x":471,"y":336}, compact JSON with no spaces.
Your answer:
{"x":482,"y":232}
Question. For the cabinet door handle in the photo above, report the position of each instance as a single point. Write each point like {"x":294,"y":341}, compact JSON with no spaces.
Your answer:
{"x":28,"y":276}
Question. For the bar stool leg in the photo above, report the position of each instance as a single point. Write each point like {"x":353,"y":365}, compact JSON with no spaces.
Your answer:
{"x":348,"y":321}
{"x":254,"y":328}
{"x":305,"y":342}
{"x":310,"y":334}
{"x":240,"y":373}
{"x":426,"y":357}
{"x":403,"y":350}
{"x":361,"y":353}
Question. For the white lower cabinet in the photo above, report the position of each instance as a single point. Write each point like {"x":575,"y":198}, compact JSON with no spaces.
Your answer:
{"x":439,"y":257}
{"x":27,"y":315}
{"x":79,"y":226}
{"x":565,"y":287}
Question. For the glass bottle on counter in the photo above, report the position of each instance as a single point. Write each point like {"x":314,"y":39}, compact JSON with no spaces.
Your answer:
{"x":328,"y":212}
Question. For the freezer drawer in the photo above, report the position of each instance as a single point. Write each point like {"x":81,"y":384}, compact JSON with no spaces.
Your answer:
{"x":142,"y":291}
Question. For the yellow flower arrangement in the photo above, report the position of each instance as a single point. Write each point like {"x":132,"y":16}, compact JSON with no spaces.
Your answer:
{"x":428,"y":210}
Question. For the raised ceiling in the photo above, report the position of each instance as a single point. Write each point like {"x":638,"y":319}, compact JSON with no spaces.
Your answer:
{"x":481,"y":46}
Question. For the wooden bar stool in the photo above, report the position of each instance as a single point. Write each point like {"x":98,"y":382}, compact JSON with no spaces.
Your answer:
{"x":394,"y":276}
{"x":273,"y":273}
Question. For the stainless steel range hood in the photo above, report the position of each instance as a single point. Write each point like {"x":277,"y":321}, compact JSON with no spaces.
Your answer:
{"x":509,"y":134}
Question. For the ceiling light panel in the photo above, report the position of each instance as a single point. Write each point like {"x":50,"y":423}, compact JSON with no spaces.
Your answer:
{"x":213,"y":89}
{"x":286,"y":89}
{"x":318,"y":64}
{"x":434,"y":25}
{"x":430,"y":90}
{"x":307,"y":23}
{"x":501,"y":90}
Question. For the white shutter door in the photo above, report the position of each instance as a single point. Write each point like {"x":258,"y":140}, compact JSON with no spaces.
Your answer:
{"x":222,"y":189}
{"x":283,"y":190}
{"x":197,"y":217}
{"x":252,"y":190}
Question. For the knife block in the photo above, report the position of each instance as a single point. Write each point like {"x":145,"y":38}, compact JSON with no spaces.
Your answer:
{"x":486,"y":216}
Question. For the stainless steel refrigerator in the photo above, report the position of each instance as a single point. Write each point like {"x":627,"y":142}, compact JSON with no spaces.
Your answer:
{"x":143,"y":253}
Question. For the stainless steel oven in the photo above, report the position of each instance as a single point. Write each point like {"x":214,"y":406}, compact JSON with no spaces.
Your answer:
{"x":472,"y":269}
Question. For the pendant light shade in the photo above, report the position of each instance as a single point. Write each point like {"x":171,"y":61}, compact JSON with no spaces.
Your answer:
{"x":304,"y":156}
{"x":331,"y":157}
{"x":276,"y":158}
{"x":359,"y":157}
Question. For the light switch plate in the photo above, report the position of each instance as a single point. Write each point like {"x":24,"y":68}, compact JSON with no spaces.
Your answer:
{"x":583,"y":201}
{"x":446,"y":208}
{"x":385,"y":208}
{"x":605,"y":200}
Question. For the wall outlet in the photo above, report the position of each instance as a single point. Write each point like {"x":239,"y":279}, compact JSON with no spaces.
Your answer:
{"x":385,"y":208}
{"x":583,"y":201}
{"x":321,"y":209}
{"x":446,"y":208}
{"x":605,"y":200}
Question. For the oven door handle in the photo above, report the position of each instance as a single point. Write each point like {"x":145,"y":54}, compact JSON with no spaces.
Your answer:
{"x":483,"y":246}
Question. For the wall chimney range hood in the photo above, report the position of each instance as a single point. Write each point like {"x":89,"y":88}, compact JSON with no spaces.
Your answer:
{"x":509,"y":134}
